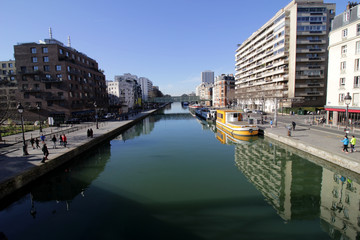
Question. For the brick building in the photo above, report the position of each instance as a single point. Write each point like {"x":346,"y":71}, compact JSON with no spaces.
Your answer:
{"x":65,"y":83}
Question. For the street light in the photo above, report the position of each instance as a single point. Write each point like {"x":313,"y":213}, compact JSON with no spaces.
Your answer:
{"x":347,"y":100}
{"x":20,"y":109}
{"x":263,"y":103}
{"x":96,"y":116}
{"x":38,"y":108}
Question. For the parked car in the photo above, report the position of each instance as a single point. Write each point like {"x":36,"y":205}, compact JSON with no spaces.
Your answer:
{"x":73,"y":121}
{"x":246,"y":110}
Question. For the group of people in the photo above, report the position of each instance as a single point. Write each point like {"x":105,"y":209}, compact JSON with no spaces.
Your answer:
{"x":36,"y":143}
{"x":90,"y":133}
{"x":346,"y":142}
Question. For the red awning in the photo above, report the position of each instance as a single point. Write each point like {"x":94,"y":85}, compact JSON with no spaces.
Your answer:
{"x":342,"y":110}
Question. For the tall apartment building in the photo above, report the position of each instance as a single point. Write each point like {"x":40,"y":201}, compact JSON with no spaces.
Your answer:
{"x":286,"y":59}
{"x":62,"y":81}
{"x":204,"y":91}
{"x":207,"y":76}
{"x":8,"y":85}
{"x":146,"y":87}
{"x":224,"y":91}
{"x":114,"y":93}
{"x":344,"y":67}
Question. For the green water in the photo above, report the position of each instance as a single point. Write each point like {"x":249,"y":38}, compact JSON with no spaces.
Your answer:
{"x":170,"y":178}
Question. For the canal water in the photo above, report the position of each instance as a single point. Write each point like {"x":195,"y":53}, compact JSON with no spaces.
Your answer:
{"x":174,"y":177}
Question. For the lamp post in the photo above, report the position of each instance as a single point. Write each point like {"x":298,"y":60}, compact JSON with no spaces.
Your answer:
{"x":38,"y":108}
{"x":96,"y":116}
{"x":347,"y":100}
{"x":263,"y":103}
{"x":20,"y":109}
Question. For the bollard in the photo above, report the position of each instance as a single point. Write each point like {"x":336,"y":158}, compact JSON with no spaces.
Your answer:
{"x":289,"y":132}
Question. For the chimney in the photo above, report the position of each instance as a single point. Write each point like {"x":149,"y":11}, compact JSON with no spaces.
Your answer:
{"x":69,"y":43}
{"x":50,"y":33}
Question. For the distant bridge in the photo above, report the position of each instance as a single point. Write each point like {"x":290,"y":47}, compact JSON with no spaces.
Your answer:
{"x":175,"y":99}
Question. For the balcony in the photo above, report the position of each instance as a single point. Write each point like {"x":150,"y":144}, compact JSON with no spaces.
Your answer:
{"x":55,"y":98}
{"x":29,"y":72}
{"x":31,"y":90}
{"x":51,"y":80}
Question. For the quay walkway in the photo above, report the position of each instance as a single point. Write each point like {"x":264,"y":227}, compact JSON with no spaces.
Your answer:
{"x":17,"y":170}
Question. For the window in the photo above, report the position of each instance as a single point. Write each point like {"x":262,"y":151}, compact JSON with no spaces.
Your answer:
{"x":68,"y":68}
{"x":48,"y":76}
{"x":35,"y":68}
{"x":358,"y":28}
{"x":61,"y":51}
{"x":73,"y":56}
{"x":59,"y":76}
{"x":47,"y":68}
{"x":4,"y":65}
{"x":34,"y":59}
{"x":356,"y":99}
{"x":346,"y":16}
{"x":356,"y":82}
{"x":343,"y":50}
{"x":10,"y":65}
{"x":357,"y":65}
{"x":342,"y":82}
{"x":344,"y":33}
{"x":357,"y":47}
{"x":58,"y":68}
{"x":45,"y":50}
{"x":33,"y":50}
{"x":69,"y":77}
{"x":67,"y":54}
{"x":341,"y":97}
{"x":343,"y":67}
{"x":46,"y":59}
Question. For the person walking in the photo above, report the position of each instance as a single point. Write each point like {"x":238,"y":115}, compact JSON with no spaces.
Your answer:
{"x":346,"y":143}
{"x":42,"y":137}
{"x":293,"y":125}
{"x":64,"y":140}
{"x":61,"y":140}
{"x":352,"y":144}
{"x":271,"y":122}
{"x":32,"y":141}
{"x":37,"y":141}
{"x":54,"y":141}
{"x":46,"y":153}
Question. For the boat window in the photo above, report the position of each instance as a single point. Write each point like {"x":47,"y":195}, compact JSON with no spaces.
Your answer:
{"x":235,"y":115}
{"x":220,"y":115}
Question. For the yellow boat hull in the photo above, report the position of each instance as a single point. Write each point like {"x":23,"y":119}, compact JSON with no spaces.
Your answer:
{"x":238,"y":130}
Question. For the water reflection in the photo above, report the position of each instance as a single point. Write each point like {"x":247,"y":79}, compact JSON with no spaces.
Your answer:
{"x":72,"y":180}
{"x":301,"y":190}
{"x":225,"y":138}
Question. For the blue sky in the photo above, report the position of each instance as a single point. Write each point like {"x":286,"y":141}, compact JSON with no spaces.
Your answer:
{"x":168,"y":41}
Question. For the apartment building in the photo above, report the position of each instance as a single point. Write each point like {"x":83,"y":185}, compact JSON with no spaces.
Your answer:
{"x":8,"y":85}
{"x":130,"y":90}
{"x":207,"y":76}
{"x":204,"y":91}
{"x":62,"y":81}
{"x":224,"y":91}
{"x":285,"y":60}
{"x":344,"y":67}
{"x":146,"y":87}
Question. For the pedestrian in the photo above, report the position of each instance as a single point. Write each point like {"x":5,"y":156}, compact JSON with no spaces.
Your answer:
{"x":42,"y":137}
{"x":32,"y":141}
{"x":61,"y":140}
{"x":54,"y":141}
{"x":88,"y":133}
{"x":271,"y":122}
{"x":64,"y":140}
{"x":353,"y":143}
{"x":293,"y":125}
{"x":346,"y":143}
{"x":91,"y":133}
{"x":37,"y":141}
{"x":46,"y":153}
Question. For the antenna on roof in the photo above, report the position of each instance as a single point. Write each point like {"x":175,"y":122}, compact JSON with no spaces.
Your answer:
{"x":69,"y":43}
{"x":50,"y":33}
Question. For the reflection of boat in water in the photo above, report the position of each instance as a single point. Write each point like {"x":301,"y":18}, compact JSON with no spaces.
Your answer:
{"x":206,"y":114}
{"x":231,"y":121}
{"x":226,"y":138}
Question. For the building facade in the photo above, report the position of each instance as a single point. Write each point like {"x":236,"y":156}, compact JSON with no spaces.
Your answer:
{"x":224,"y":91}
{"x":146,"y":87}
{"x":204,"y":91}
{"x":286,"y":59}
{"x":129,"y":90}
{"x":8,"y":85}
{"x":207,"y":76}
{"x":62,"y":81}
{"x":344,"y":67}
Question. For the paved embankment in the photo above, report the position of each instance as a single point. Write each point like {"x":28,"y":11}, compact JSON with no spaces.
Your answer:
{"x":17,"y":171}
{"x":318,"y":142}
